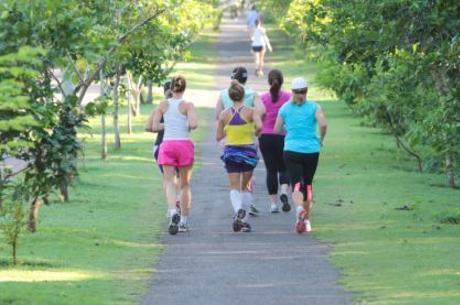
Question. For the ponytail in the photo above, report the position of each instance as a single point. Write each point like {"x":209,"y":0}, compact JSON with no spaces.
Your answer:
{"x":236,"y":91}
{"x":275,"y":80}
{"x":178,"y":84}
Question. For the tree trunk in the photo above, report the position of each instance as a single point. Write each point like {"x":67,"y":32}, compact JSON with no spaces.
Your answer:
{"x":2,"y":182}
{"x":412,"y":153}
{"x":450,"y":170}
{"x":401,"y":144}
{"x":149,"y":91}
{"x":130,"y":113}
{"x":116,"y":128}
{"x":13,"y":245}
{"x":103,"y":138}
{"x":33,"y":215}
{"x":64,"y":190}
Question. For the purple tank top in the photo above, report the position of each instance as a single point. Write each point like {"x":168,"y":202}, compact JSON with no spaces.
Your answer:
{"x":272,"y":109}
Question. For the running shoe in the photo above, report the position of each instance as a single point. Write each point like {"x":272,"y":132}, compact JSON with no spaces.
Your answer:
{"x":183,"y":227}
{"x":246,"y":227}
{"x":238,"y":220}
{"x":307,"y":226}
{"x":286,"y":206}
{"x":274,"y":208}
{"x":174,"y":224}
{"x":253,"y":211}
{"x":300,"y":225}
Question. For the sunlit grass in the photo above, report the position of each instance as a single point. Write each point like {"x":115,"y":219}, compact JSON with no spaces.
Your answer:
{"x":100,"y":248}
{"x":387,"y":255}
{"x":24,"y":276}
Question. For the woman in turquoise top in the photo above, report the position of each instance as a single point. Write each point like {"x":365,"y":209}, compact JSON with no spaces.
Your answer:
{"x":300,"y":119}
{"x":251,"y":98}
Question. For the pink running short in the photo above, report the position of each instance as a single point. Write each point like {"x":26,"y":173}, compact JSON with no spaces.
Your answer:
{"x":178,"y":153}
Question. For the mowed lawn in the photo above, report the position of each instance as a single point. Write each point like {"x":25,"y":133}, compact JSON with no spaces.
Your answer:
{"x":394,"y":232}
{"x":100,"y":248}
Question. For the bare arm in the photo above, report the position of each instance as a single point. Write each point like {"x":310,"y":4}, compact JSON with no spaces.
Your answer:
{"x":259,"y":107}
{"x":257,"y":122}
{"x":279,"y":125}
{"x":192,"y":116}
{"x":158,"y":113}
{"x":322,"y":123}
{"x":219,"y":107}
{"x":148,"y":124}
{"x":267,"y":41}
{"x":220,"y":133}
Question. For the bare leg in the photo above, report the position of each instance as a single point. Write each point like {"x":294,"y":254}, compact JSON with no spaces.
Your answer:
{"x":185,"y":174}
{"x":170,"y":183}
{"x":261,"y":61}
{"x":257,"y":61}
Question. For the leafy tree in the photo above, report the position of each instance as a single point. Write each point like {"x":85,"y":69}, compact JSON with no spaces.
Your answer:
{"x":19,"y":116}
{"x":12,"y":219}
{"x":393,"y":61}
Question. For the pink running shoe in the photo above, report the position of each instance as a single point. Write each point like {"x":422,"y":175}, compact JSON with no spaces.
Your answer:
{"x":300,"y":225}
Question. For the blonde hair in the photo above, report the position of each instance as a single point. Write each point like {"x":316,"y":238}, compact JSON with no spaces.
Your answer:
{"x":236,"y":91}
{"x":178,"y":84}
{"x":299,"y":96}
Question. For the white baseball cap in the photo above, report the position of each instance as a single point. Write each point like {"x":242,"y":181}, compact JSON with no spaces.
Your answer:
{"x":299,"y":83}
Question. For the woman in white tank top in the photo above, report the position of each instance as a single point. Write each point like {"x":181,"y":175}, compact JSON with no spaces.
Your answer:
{"x":260,"y":44}
{"x":177,"y":151}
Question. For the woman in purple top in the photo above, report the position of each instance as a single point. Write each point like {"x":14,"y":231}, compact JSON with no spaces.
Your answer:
{"x":272,"y":144}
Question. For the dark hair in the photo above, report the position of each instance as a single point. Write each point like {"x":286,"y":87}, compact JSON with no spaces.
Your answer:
{"x":257,"y":21}
{"x":275,"y":80}
{"x":240,"y":74}
{"x":236,"y":91}
{"x":167,"y":89}
{"x":178,"y":84}
{"x":167,"y":85}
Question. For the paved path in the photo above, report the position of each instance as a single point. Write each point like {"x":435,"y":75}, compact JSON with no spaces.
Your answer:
{"x":211,"y":265}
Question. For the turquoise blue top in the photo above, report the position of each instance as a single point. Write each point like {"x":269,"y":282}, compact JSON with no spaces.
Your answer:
{"x":300,"y":124}
{"x":249,"y":96}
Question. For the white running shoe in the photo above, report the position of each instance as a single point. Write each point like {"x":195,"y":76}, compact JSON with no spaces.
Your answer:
{"x":274,"y":208}
{"x":183,"y":227}
{"x":307,"y":226}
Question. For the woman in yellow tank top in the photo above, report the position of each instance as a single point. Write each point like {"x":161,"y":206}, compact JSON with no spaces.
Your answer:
{"x":239,"y":125}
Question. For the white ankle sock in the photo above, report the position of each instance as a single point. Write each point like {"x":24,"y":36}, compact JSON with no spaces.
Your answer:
{"x":246,"y":198}
{"x":298,"y":210}
{"x":284,"y":189}
{"x":172,"y":212}
{"x":247,"y":201}
{"x":183,"y":219}
{"x":235,"y":198}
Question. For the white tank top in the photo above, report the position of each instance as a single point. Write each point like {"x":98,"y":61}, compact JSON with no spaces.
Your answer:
{"x":175,"y":123}
{"x":258,"y":38}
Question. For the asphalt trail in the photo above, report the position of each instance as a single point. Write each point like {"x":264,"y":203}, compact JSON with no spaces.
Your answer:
{"x":211,"y":265}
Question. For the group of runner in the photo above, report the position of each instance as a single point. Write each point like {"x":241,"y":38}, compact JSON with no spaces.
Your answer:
{"x":282,"y":124}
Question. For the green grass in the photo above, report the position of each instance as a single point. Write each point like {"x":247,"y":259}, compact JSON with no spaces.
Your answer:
{"x":389,"y":226}
{"x":200,"y":68}
{"x":100,"y":248}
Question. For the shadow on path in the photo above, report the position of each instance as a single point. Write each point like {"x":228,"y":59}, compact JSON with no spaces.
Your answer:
{"x":211,"y":265}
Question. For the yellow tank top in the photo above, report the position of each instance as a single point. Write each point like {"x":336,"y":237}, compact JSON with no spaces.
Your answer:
{"x":238,"y":131}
